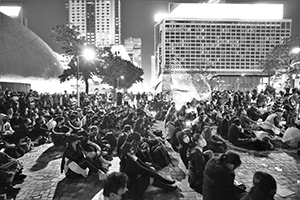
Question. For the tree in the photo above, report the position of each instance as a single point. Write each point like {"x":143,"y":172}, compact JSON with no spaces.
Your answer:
{"x":282,"y":59}
{"x":73,"y":44}
{"x":114,"y":67}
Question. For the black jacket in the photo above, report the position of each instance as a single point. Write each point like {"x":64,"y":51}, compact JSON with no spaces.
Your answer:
{"x":218,"y":182}
{"x":196,"y":166}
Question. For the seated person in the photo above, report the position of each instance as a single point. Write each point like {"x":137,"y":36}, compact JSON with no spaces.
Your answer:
{"x":140,"y":175}
{"x":254,"y":113}
{"x":40,"y":133}
{"x":214,"y":143}
{"x":10,"y":171}
{"x":245,"y":121}
{"x":185,"y":144}
{"x":219,"y":175}
{"x":272,"y":124}
{"x":224,"y":126}
{"x":264,"y":187}
{"x":115,"y":185}
{"x":127,"y":129}
{"x":23,"y":131}
{"x":196,"y":162}
{"x":6,"y":127}
{"x":76,"y":162}
{"x":96,"y":136}
{"x":93,"y":151}
{"x":74,"y":123}
{"x":16,"y":120}
{"x":60,"y":132}
{"x":236,"y":134}
{"x":239,"y":137}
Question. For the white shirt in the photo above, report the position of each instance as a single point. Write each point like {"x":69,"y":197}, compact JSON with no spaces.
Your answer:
{"x":100,"y":196}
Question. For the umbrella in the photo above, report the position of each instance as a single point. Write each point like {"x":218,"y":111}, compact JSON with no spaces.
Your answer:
{"x":292,"y":135}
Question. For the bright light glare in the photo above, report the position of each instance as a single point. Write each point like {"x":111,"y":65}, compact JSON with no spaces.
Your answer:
{"x":89,"y":54}
{"x":228,"y":11}
{"x":122,"y":77}
{"x":159,"y":16}
{"x":295,"y":50}
{"x":12,"y":11}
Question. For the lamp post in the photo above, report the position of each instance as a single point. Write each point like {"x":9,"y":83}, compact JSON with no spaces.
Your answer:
{"x":118,"y":81}
{"x":88,"y":54}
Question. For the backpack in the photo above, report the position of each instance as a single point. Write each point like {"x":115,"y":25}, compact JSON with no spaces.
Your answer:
{"x":160,"y":156}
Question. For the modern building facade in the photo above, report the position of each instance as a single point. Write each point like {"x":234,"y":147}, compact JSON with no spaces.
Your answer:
{"x":133,"y":47}
{"x":228,"y":47}
{"x":23,"y":53}
{"x":98,"y":20}
{"x":13,"y":10}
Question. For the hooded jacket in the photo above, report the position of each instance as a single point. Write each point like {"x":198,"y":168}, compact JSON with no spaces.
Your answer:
{"x":218,"y":182}
{"x":196,"y":167}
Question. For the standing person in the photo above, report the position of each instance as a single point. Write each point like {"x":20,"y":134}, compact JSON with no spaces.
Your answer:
{"x":218,"y":182}
{"x":115,"y":185}
{"x":264,"y":187}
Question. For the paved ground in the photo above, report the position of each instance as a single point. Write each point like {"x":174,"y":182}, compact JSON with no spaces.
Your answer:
{"x":44,"y":180}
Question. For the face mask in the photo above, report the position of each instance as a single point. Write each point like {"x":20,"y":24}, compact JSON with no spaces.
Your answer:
{"x":202,"y":143}
{"x":186,"y":139}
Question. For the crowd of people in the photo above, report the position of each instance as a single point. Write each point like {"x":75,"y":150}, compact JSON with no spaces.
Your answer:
{"x":119,"y":124}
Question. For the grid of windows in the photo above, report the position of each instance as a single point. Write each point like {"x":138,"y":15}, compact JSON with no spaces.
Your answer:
{"x":219,"y":45}
{"x":98,"y":20}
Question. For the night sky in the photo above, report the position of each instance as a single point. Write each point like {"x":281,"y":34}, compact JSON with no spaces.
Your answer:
{"x":137,"y":20}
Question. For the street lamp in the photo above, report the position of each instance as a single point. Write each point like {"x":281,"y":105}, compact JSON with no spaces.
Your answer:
{"x":118,"y":81}
{"x":88,"y":54}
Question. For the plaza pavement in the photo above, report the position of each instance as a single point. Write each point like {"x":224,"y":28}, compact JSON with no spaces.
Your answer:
{"x":44,"y":180}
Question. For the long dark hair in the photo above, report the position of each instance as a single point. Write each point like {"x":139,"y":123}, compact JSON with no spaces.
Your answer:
{"x":264,"y":187}
{"x":230,"y":158}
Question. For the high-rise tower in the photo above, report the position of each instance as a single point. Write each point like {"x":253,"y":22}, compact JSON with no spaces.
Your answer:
{"x":98,"y":20}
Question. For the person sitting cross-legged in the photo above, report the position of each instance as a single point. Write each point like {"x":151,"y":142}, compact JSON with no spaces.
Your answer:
{"x":76,"y":162}
{"x":60,"y":132}
{"x":115,"y":185}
